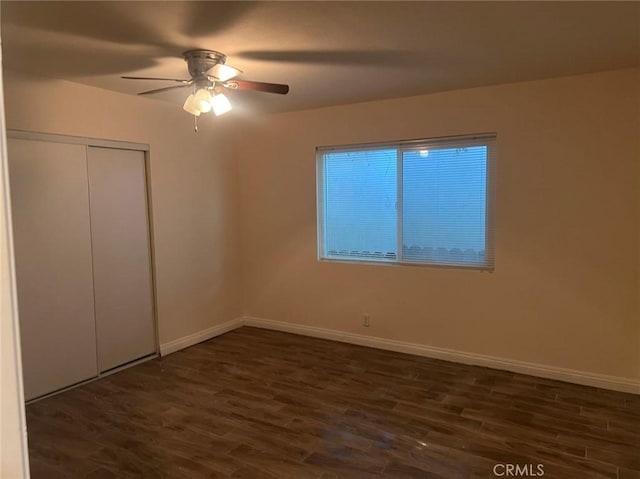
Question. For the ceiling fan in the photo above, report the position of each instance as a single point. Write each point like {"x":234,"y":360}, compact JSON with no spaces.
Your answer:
{"x":210,"y":76}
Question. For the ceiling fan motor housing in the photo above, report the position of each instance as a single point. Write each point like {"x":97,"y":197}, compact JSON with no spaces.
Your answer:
{"x":199,"y":62}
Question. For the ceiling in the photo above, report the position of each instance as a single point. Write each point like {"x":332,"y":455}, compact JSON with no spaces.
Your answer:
{"x":328,"y":52}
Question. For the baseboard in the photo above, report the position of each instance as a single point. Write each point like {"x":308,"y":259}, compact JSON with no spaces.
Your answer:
{"x":200,"y":336}
{"x":561,"y":374}
{"x":568,"y":375}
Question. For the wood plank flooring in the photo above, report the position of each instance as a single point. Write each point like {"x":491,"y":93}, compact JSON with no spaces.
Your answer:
{"x":263,"y":404}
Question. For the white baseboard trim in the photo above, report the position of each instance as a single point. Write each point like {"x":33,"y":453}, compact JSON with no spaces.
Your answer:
{"x":200,"y":336}
{"x":550,"y":372}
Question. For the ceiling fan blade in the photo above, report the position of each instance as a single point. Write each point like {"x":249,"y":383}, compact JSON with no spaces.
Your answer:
{"x":224,"y":72}
{"x":156,"y":78}
{"x":257,"y":86}
{"x":158,"y":90}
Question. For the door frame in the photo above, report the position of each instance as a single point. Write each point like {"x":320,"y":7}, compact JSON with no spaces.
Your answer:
{"x":14,"y":451}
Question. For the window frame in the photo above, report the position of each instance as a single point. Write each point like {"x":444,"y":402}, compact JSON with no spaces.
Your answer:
{"x":481,"y":139}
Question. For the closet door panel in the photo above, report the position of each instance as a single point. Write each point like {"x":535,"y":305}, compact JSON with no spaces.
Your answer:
{"x":50,"y":209}
{"x":121,"y":256}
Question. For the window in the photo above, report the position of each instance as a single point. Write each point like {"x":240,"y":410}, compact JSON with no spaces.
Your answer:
{"x":416,"y":202}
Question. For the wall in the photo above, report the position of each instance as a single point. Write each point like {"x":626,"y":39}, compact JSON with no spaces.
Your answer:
{"x":564,"y":293}
{"x":193,"y":187}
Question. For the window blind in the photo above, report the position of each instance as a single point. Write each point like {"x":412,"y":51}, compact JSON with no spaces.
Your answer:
{"x":415,"y":202}
{"x":360,"y":209}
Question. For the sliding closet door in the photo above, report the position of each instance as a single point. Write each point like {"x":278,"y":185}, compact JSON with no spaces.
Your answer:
{"x":50,"y":209}
{"x":121,"y":256}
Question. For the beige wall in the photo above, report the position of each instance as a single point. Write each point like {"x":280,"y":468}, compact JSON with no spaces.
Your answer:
{"x":193,"y":190}
{"x":565,"y":292}
{"x":565,"y":289}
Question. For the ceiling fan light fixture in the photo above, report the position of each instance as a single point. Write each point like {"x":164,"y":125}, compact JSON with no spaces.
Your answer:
{"x":224,"y":72}
{"x":203,"y":100}
{"x":209,"y":75}
{"x":191,"y":106}
{"x":220,"y":104}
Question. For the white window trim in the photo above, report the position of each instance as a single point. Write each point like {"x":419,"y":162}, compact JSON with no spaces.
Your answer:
{"x":488,"y":139}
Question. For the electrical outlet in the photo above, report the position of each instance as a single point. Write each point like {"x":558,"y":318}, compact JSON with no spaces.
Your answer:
{"x":365,"y":320}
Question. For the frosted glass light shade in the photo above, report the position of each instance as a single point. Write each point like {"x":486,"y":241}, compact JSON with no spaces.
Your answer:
{"x":220,"y":104}
{"x":191,"y":106}
{"x":203,"y":99}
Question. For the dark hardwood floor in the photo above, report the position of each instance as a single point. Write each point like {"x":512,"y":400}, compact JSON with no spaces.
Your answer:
{"x":263,"y":404}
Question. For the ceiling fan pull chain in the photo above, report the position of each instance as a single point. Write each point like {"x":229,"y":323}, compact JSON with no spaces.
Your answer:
{"x":195,"y":124}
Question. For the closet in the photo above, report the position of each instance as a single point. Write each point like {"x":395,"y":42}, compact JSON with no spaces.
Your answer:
{"x":83,"y":257}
